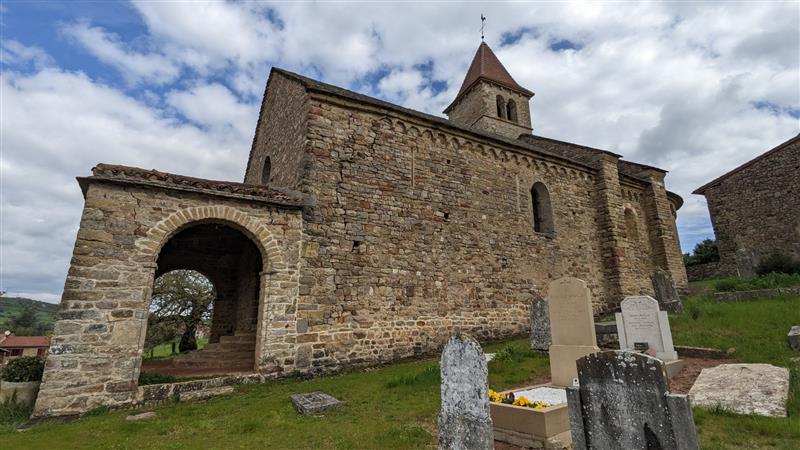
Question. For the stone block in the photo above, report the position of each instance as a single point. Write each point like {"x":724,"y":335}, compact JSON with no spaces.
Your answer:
{"x":314,"y":403}
{"x":540,"y":325}
{"x":794,"y":338}
{"x":760,"y":389}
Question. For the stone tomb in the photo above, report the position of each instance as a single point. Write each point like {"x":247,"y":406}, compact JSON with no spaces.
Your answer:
{"x":760,"y":389}
{"x":665,"y":291}
{"x":314,"y":403}
{"x":641,"y":321}
{"x":623,"y":402}
{"x":572,"y":328}
{"x":540,"y":325}
{"x":464,"y":419}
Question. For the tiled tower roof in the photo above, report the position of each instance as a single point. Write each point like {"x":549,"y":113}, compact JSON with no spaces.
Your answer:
{"x":486,"y":65}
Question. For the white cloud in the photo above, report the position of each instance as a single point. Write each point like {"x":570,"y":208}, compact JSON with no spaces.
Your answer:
{"x":666,"y":84}
{"x":14,"y":53}
{"x":107,"y":47}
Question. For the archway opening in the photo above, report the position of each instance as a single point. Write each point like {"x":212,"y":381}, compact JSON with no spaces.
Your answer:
{"x":542,"y":209}
{"x":231,"y":264}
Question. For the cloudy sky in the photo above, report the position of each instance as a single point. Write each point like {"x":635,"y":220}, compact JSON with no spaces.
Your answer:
{"x":695,"y":88}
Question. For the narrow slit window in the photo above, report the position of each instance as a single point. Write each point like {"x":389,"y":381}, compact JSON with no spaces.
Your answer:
{"x":501,"y":107}
{"x":511,"y":111}
{"x":266,"y":171}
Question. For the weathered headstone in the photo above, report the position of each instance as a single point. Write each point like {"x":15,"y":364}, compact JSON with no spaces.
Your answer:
{"x":540,"y":325}
{"x":760,"y":389}
{"x":571,"y":327}
{"x":794,"y":338}
{"x":666,"y":292}
{"x":313,"y":403}
{"x":464,"y":419}
{"x":641,"y":322}
{"x":623,"y":401}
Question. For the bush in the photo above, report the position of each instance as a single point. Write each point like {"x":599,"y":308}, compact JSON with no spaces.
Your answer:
{"x":20,"y":370}
{"x":778,"y":263}
{"x":769,"y":281}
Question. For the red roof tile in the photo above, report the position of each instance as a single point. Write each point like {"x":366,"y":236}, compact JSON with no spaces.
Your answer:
{"x":25,"y":341}
{"x":485,"y":65}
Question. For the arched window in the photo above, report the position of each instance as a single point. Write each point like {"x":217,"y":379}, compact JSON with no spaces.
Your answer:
{"x":542,"y":209}
{"x":266,"y":171}
{"x":501,"y":107}
{"x":631,"y":224}
{"x":511,"y":111}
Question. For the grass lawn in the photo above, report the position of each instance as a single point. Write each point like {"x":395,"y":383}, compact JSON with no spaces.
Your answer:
{"x":165,"y":350}
{"x":396,"y":406}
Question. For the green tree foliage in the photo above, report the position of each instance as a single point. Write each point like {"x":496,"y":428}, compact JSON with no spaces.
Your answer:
{"x":778,"y":263}
{"x":20,"y":370}
{"x":182,"y":300}
{"x":704,"y":252}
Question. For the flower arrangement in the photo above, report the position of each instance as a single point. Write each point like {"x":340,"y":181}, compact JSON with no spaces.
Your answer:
{"x":510,"y":399}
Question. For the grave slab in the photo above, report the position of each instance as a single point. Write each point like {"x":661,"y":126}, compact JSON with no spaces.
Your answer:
{"x":571,"y":327}
{"x":760,"y":389}
{"x":540,"y":325}
{"x":314,"y":403}
{"x":641,"y":322}
{"x":464,"y":418}
{"x":623,"y":402}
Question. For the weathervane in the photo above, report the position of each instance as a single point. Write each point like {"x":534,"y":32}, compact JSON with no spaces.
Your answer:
{"x":483,"y":23}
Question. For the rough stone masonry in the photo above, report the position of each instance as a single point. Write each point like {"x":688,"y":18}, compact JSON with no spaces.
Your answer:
{"x":364,"y":232}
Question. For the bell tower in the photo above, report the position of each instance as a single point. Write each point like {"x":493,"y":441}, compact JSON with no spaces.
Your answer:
{"x":490,"y":100}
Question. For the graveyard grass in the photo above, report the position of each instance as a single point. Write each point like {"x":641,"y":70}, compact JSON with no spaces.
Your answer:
{"x":396,"y":406}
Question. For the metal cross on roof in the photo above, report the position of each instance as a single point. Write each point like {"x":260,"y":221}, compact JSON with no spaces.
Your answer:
{"x":483,"y":23}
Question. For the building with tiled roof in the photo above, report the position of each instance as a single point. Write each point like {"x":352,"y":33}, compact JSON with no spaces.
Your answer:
{"x":13,"y":346}
{"x":363,"y":232}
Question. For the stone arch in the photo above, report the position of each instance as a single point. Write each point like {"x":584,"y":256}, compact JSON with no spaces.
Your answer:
{"x":541,"y":209}
{"x":511,"y":110}
{"x":263,"y":239}
{"x":501,"y":107}
{"x":631,"y":224}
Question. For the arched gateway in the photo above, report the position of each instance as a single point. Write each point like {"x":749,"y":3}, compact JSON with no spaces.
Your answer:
{"x":137,"y":225}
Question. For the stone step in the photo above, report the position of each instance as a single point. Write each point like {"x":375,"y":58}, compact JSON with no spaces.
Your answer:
{"x":215,"y":364}
{"x":222,"y":355}
{"x":240,"y":338}
{"x":231,"y":346}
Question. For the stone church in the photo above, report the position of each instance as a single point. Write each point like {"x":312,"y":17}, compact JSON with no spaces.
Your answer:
{"x":363,"y":232}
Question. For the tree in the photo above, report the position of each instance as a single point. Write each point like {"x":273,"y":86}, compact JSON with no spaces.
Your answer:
{"x":182,"y":300}
{"x":25,"y":323}
{"x":704,"y":252}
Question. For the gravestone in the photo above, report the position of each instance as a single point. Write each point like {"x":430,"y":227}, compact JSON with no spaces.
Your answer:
{"x":623,"y":402}
{"x":314,"y":403}
{"x":571,"y":328}
{"x":666,"y":292}
{"x":464,"y":419}
{"x":760,"y":389}
{"x":540,"y":325}
{"x":641,"y":322}
{"x":794,"y":338}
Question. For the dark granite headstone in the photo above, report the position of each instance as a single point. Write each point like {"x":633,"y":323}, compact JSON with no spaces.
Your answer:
{"x":666,"y":293}
{"x":623,"y":402}
{"x":540,"y":325}
{"x":313,"y":403}
{"x":464,"y":419}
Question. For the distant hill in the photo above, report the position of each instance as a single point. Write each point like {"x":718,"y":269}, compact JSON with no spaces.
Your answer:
{"x":11,"y":307}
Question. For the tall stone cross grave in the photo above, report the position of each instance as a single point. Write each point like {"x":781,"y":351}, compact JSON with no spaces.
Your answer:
{"x":464,"y":419}
{"x":641,"y":322}
{"x":571,"y":327}
{"x":623,"y":402}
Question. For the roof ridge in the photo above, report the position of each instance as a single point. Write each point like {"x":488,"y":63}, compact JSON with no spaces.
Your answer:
{"x":781,"y":146}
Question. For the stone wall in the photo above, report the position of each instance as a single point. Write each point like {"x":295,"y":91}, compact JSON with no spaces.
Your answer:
{"x":471,"y":110}
{"x":97,"y":343}
{"x":705,"y":271}
{"x":756,"y":210}
{"x":280,"y":134}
